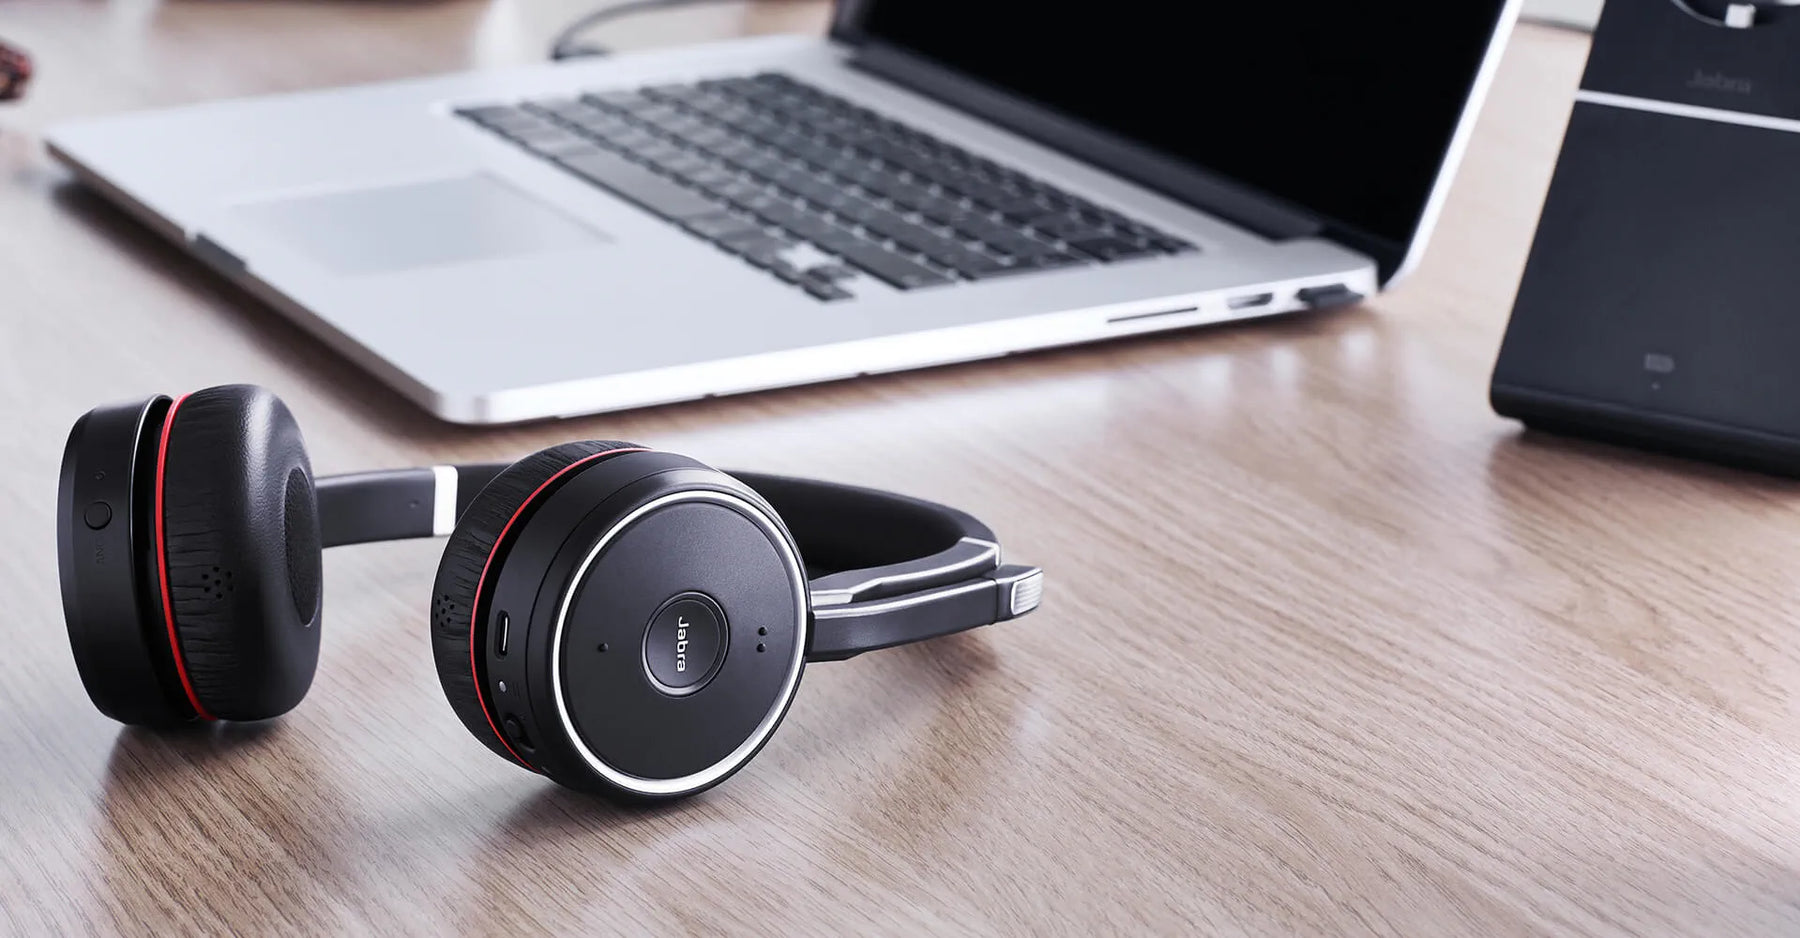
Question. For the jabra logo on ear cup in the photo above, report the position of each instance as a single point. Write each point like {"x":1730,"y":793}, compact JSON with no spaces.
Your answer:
{"x":685,"y":643}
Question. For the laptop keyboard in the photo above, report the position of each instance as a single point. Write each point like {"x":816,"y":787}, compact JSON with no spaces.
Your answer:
{"x":816,"y":190}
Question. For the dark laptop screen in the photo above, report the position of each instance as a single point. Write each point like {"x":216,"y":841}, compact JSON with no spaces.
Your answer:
{"x":1343,"y":109}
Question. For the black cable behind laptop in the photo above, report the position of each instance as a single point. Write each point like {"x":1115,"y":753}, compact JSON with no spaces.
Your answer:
{"x":566,"y":44}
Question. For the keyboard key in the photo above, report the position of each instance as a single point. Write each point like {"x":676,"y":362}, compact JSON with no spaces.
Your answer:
{"x":860,"y":210}
{"x":626,"y":140}
{"x":1051,"y":261}
{"x":913,"y":237}
{"x":797,"y":222}
{"x":1032,"y":265}
{"x":684,"y":166}
{"x":813,"y":190}
{"x":840,"y":201}
{"x":621,"y":101}
{"x":1031,"y":250}
{"x":1066,"y":227}
{"x":655,"y":152}
{"x":838,"y":241}
{"x":866,"y":175}
{"x":606,"y":129}
{"x":759,"y":248}
{"x":710,"y":177}
{"x":675,"y":92}
{"x":735,"y":149}
{"x":816,"y":154}
{"x":656,"y":114}
{"x":637,"y":184}
{"x":1018,"y":206}
{"x":1109,"y":248}
{"x":765,"y":204}
{"x":738,"y":191}
{"x":558,"y":108}
{"x":900,"y":192}
{"x":942,"y":210}
{"x":897,"y":271}
{"x":825,"y":290}
{"x":1018,"y":245}
{"x":556,"y":143}
{"x":722,"y":225}
{"x":760,"y":164}
{"x":784,"y":271}
{"x":975,"y":266}
{"x":494,"y":115}
{"x":787,"y":176}
{"x":525,"y":126}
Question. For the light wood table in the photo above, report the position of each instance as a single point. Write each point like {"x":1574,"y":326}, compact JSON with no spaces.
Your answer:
{"x":1329,"y":649}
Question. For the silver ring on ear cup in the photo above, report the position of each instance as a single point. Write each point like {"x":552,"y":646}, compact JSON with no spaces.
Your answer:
{"x":695,"y":781}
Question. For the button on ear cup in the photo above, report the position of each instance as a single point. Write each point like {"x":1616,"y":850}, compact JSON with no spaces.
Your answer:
{"x":467,"y":555}
{"x":239,"y":554}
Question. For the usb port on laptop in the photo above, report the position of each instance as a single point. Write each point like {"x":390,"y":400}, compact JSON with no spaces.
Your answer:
{"x":1250,"y":301}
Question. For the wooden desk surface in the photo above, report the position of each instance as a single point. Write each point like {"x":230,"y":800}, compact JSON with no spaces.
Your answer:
{"x":1329,"y":649}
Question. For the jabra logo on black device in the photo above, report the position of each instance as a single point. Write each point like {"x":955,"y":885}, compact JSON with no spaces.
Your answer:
{"x":1719,"y":81}
{"x":681,"y":627}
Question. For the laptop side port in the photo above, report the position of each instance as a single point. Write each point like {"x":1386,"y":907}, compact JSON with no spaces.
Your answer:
{"x":1250,"y":301}
{"x":1325,"y":297}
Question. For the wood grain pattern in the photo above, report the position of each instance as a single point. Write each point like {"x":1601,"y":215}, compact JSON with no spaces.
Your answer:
{"x":1329,"y":649}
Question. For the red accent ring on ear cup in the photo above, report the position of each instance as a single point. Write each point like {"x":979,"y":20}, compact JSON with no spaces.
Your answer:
{"x":481,"y":581}
{"x":162,"y":563}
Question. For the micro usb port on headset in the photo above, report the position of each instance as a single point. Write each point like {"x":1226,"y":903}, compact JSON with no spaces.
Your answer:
{"x":501,"y":626}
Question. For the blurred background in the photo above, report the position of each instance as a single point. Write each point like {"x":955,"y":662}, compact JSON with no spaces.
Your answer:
{"x":1579,"y":13}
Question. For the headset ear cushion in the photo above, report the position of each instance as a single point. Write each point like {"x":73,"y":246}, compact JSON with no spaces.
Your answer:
{"x":240,"y":552}
{"x":466,"y":557}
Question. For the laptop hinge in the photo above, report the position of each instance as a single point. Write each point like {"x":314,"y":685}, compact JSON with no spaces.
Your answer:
{"x":1212,"y":194}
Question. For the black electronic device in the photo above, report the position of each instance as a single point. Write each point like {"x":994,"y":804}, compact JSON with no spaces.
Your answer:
{"x":621,"y":620}
{"x":1658,"y":304}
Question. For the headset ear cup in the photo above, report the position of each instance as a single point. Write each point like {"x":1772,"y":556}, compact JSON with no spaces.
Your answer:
{"x":239,"y":552}
{"x":467,"y":556}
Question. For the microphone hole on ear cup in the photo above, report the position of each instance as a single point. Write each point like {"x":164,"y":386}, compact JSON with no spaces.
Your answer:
{"x":216,"y":584}
{"x":444,"y":610}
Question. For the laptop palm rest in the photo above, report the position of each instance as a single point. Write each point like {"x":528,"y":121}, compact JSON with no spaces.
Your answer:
{"x":414,"y":225}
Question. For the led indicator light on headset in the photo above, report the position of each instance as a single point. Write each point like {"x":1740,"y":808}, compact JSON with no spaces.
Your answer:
{"x":502,"y":622}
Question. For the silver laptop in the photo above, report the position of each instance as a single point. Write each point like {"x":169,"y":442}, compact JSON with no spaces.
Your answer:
{"x":936,"y":182}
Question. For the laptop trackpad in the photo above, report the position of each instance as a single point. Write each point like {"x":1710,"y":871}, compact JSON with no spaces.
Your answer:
{"x":423,"y":224}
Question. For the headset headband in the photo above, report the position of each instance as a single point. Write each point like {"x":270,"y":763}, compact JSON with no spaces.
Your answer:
{"x":884,"y":569}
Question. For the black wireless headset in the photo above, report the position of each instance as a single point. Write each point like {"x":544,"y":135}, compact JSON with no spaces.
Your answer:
{"x":621,"y":620}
